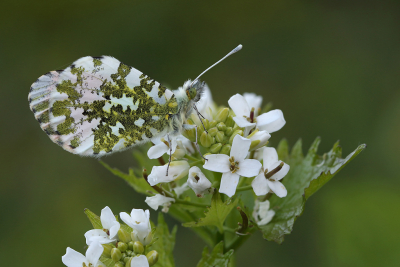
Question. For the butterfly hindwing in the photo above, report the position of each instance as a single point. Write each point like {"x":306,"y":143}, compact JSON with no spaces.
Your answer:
{"x":100,"y":105}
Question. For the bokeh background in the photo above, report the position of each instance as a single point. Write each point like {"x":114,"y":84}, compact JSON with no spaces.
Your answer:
{"x":331,"y":66}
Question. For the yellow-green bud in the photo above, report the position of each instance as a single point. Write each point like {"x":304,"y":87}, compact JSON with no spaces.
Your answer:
{"x":229,"y":121}
{"x":206,"y":123}
{"x":229,"y":131}
{"x":130,"y":245}
{"x":119,"y":264}
{"x":226,"y":149}
{"x":124,"y":236}
{"x":213,"y":131}
{"x":215,"y":148}
{"x":138,"y":247}
{"x":221,"y":126}
{"x":213,"y":123}
{"x":127,"y":261}
{"x":254,"y":143}
{"x":237,"y":132}
{"x":122,"y":246}
{"x":152,"y":257}
{"x":206,"y":140}
{"x":219,"y":137}
{"x":190,"y":134}
{"x":107,"y":250}
{"x":222,"y":115}
{"x":116,"y":254}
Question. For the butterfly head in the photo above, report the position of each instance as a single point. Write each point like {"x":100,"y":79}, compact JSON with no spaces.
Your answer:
{"x":195,"y":90}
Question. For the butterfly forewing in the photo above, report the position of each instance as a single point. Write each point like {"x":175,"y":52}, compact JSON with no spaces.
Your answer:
{"x":100,"y":105}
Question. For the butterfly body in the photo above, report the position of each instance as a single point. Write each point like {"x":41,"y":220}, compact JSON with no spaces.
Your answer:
{"x":99,"y":105}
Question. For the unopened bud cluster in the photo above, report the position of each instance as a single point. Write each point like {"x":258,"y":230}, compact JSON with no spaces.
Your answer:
{"x":123,"y":254}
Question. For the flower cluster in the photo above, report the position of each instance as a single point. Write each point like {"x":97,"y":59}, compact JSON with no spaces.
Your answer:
{"x":125,"y":245}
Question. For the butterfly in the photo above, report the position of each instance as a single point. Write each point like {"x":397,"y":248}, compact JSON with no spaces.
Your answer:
{"x":99,"y":105}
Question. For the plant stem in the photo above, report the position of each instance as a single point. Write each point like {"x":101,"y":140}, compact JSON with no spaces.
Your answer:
{"x":244,"y":188}
{"x":183,"y":202}
{"x":195,"y":162}
{"x":191,"y":158}
{"x":237,"y":242}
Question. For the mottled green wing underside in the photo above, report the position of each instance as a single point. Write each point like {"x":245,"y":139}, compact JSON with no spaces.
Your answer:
{"x":100,"y":105}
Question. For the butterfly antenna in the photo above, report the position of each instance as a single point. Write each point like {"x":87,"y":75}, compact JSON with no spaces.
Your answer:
{"x":230,"y":53}
{"x":200,"y":116}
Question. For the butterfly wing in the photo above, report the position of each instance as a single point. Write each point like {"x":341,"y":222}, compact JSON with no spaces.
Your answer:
{"x":100,"y":105}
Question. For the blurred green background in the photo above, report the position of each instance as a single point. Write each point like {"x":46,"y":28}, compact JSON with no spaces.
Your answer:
{"x":331,"y":66}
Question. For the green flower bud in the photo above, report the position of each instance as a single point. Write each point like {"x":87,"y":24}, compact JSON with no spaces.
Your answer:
{"x":228,"y":131}
{"x":213,"y":131}
{"x":130,"y":245}
{"x":206,"y":123}
{"x":124,"y":236}
{"x":254,"y":144}
{"x":116,"y":254}
{"x":221,"y":126}
{"x":229,"y":121}
{"x":119,"y":264}
{"x":107,"y":250}
{"x":237,"y":132}
{"x":122,"y":246}
{"x":222,"y":115}
{"x":226,"y":149}
{"x":213,"y":123}
{"x":138,"y":247}
{"x":128,"y":261}
{"x":206,"y":140}
{"x":190,"y":134}
{"x":215,"y":148}
{"x":219,"y":137}
{"x":152,"y":257}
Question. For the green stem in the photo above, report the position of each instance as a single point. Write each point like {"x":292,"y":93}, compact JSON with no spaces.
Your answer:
{"x":237,"y":242}
{"x":230,"y":230}
{"x":244,"y":188}
{"x":183,"y":202}
{"x":195,"y":162}
{"x":191,"y":158}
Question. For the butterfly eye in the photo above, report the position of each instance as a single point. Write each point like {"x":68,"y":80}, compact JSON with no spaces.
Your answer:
{"x":191,"y":93}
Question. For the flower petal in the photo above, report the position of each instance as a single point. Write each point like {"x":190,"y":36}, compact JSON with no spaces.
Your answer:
{"x":243,"y":122}
{"x":201,"y":185}
{"x":72,"y":258}
{"x":249,"y":167}
{"x":253,"y":100}
{"x":107,"y":218}
{"x":217,"y":163}
{"x":139,"y":261}
{"x":270,"y":157}
{"x":271,"y":121}
{"x":97,"y":235}
{"x":260,"y":185}
{"x":281,"y":173}
{"x":278,"y":188}
{"x":176,"y":171}
{"x":239,"y":105}
{"x":126,"y":219}
{"x":94,"y":252}
{"x":262,"y":136}
{"x":158,"y":200}
{"x":229,"y":182}
{"x":240,"y":148}
{"x":157,"y":151}
{"x":268,"y":217}
{"x":114,"y":230}
{"x":179,"y":190}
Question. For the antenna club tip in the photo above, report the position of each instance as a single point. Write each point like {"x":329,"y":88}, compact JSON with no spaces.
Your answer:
{"x":239,"y":47}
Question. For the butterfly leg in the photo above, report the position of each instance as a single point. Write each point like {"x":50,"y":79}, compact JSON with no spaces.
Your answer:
{"x":188,"y":127}
{"x":170,"y":152}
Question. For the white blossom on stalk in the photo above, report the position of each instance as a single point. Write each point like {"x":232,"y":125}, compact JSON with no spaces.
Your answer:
{"x":159,"y":200}
{"x":262,"y":214}
{"x":72,"y":258}
{"x":162,"y":146}
{"x":139,"y":221}
{"x":140,"y":261}
{"x":273,"y":170}
{"x":246,"y":117}
{"x":198,"y":181}
{"x":233,"y":166}
{"x":176,"y":171}
{"x":261,"y":136}
{"x":109,"y":232}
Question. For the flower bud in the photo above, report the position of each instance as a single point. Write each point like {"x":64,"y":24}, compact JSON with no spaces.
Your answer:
{"x":228,"y":131}
{"x":229,"y":121}
{"x":222,"y":115}
{"x":124,"y":236}
{"x":116,"y":254}
{"x":138,"y":247}
{"x":226,"y":149}
{"x":127,"y":261}
{"x":219,"y":137}
{"x":258,"y":139}
{"x":237,"y":132}
{"x":221,"y":126}
{"x":213,"y":123}
{"x":206,"y":140}
{"x":254,"y":144}
{"x":215,"y":148}
{"x":107,"y":250}
{"x":147,"y":240}
{"x":190,"y":134}
{"x":122,"y":246}
{"x":152,"y":257}
{"x":130,"y":245}
{"x":213,"y":131}
{"x":119,"y":264}
{"x":206,"y":124}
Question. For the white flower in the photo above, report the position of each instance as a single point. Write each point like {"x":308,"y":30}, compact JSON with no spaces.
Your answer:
{"x":140,"y":261}
{"x":262,"y":136}
{"x":179,"y":190}
{"x":246,"y":117}
{"x":254,"y":101}
{"x":273,"y":171}
{"x":73,"y":258}
{"x":233,"y":166}
{"x":205,"y":106}
{"x":158,"y":200}
{"x":262,"y":214}
{"x":109,"y":232}
{"x":161,"y":146}
{"x":177,"y":170}
{"x":198,"y":181}
{"x":139,"y":221}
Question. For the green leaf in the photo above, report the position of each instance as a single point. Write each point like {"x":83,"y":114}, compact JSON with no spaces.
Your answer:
{"x":306,"y":176}
{"x":139,"y":184}
{"x":165,"y":243}
{"x":94,"y":219}
{"x":216,"y":214}
{"x":217,"y":258}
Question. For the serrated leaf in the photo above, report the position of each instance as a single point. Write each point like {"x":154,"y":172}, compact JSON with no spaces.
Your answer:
{"x":138,"y":183}
{"x":216,"y":214}
{"x":306,"y":176}
{"x":217,"y":258}
{"x":165,"y":243}
{"x":94,"y":219}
